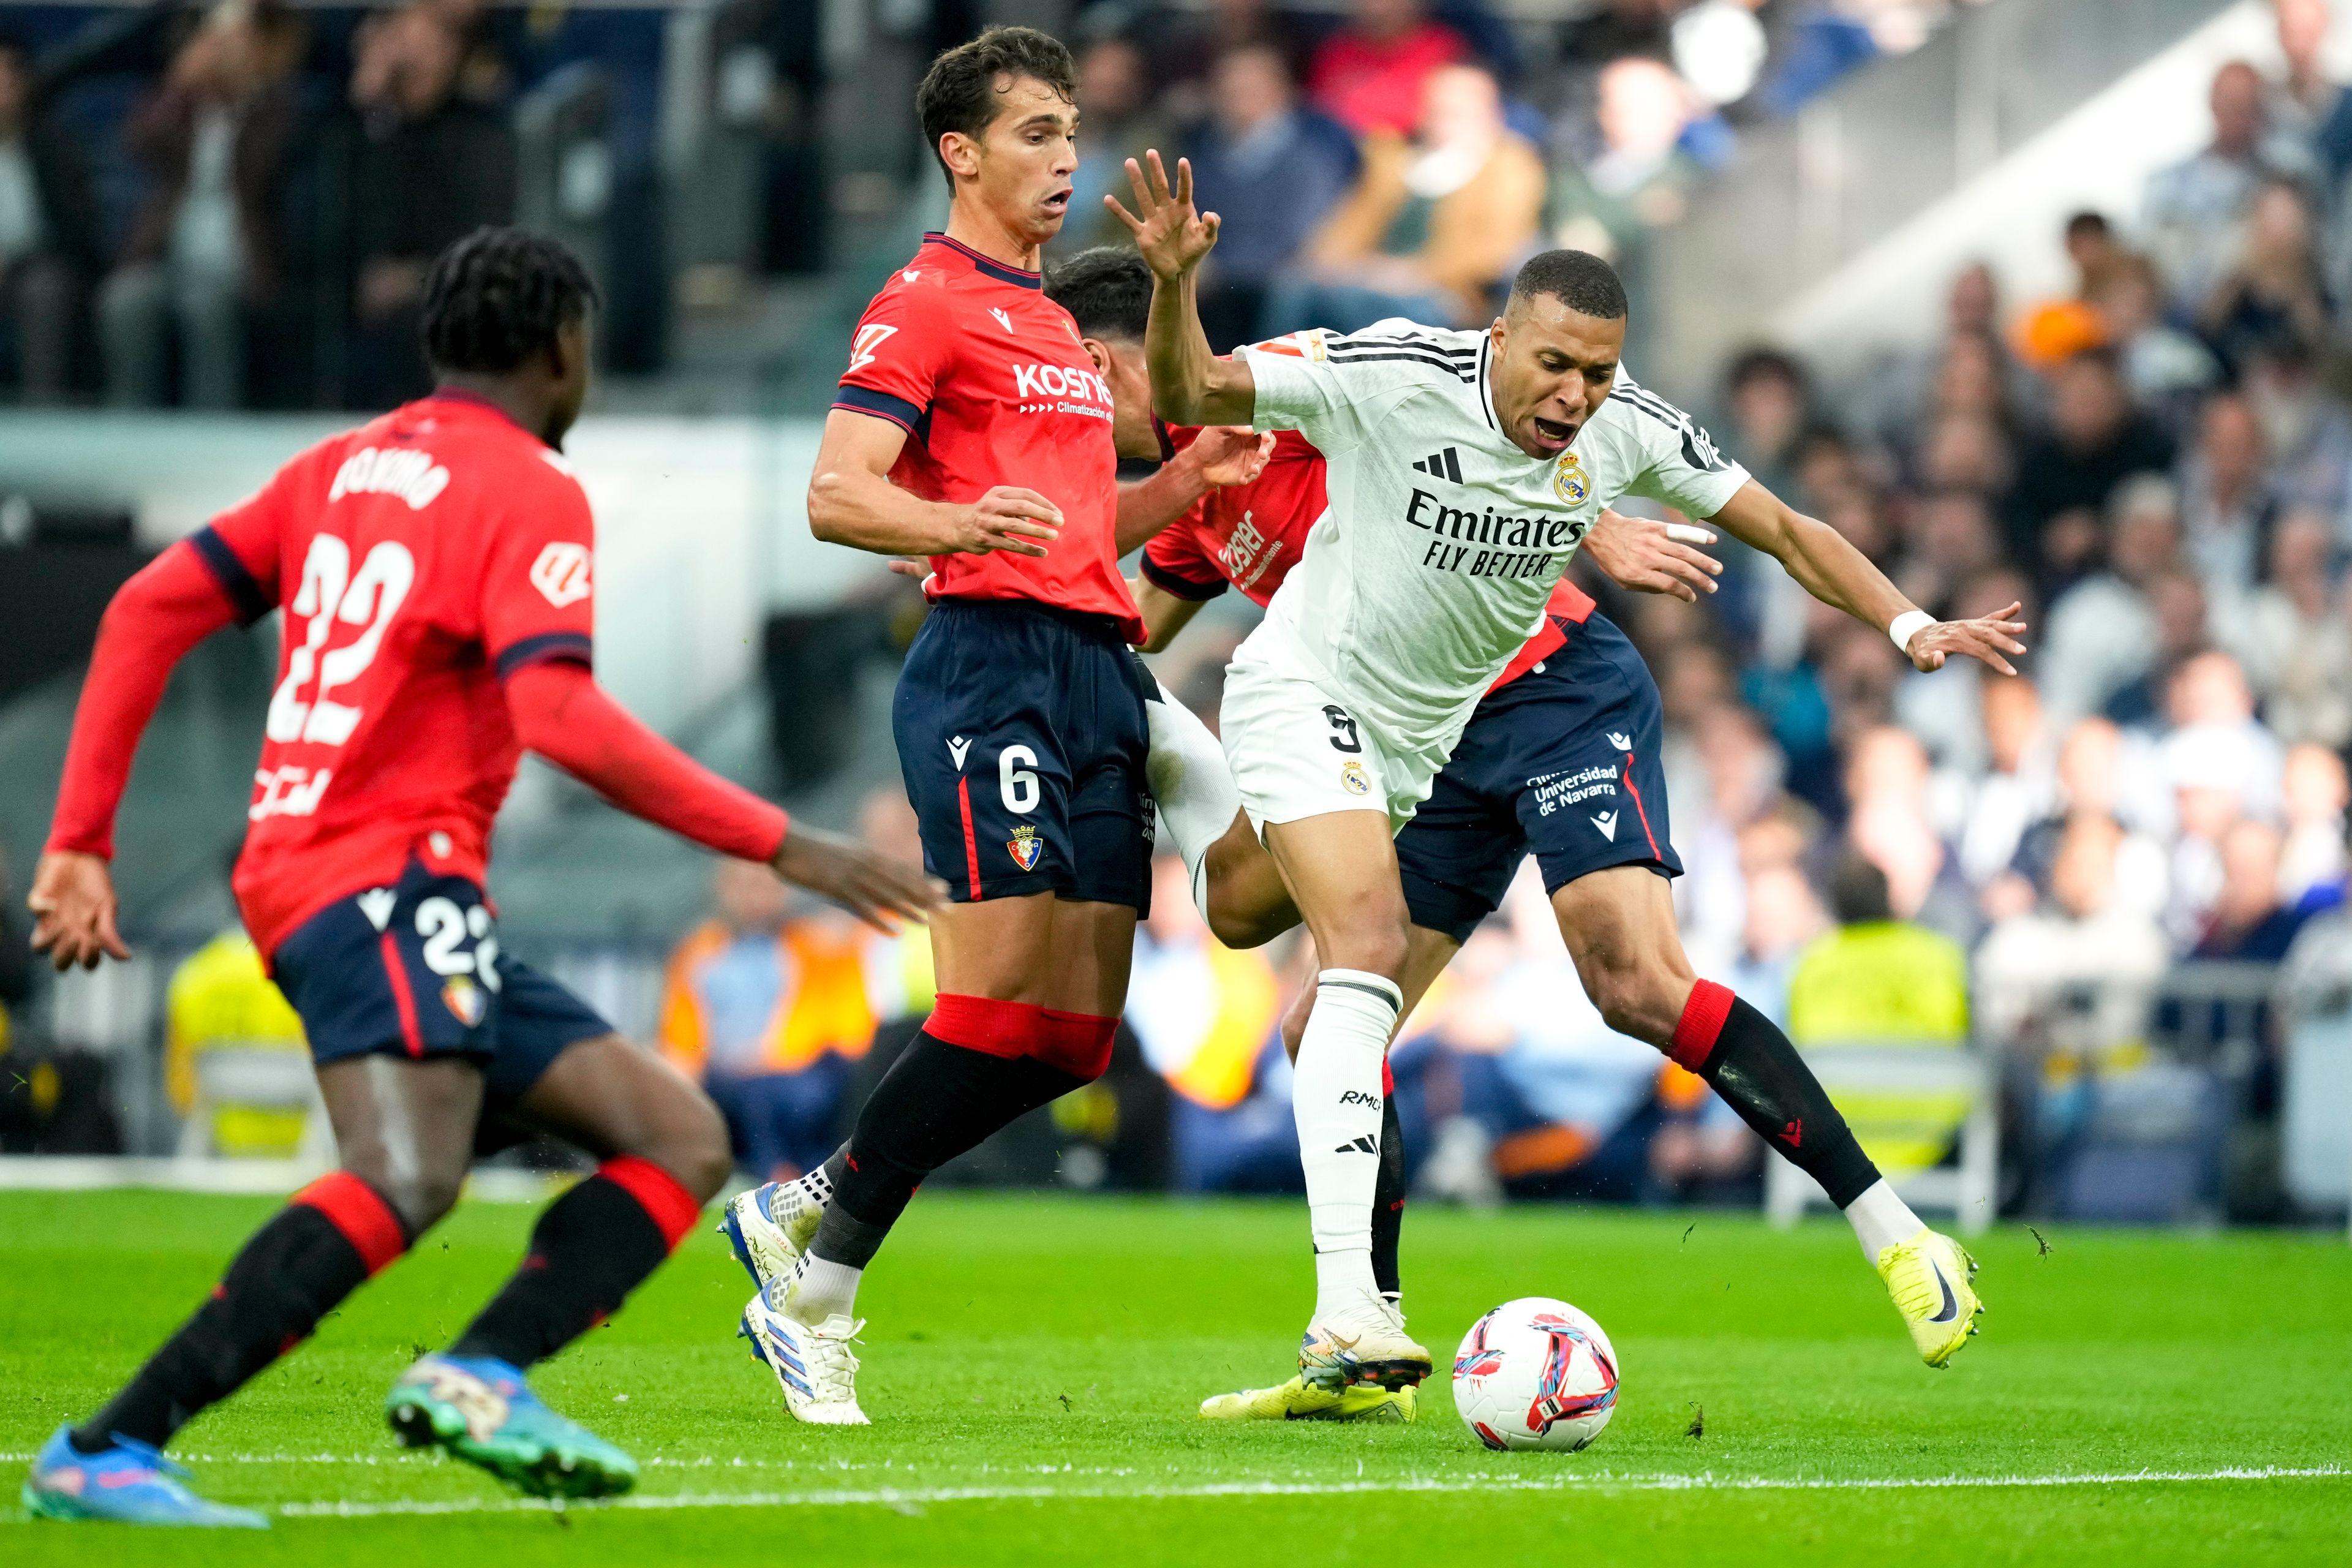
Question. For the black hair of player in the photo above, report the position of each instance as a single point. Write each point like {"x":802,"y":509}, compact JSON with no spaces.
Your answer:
{"x":1576,"y":278}
{"x":498,"y":297}
{"x":961,"y":91}
{"x":1107,"y":289}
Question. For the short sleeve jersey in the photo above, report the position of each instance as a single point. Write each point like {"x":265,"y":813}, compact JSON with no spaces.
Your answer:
{"x":1441,"y":541}
{"x":1249,"y":536}
{"x":419,"y":560}
{"x":994,"y":387}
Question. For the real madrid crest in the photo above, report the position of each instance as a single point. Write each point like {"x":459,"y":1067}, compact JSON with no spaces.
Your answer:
{"x":1568,"y":481}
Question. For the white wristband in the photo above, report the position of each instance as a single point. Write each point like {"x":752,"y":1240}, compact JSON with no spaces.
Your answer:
{"x":1906,"y":627}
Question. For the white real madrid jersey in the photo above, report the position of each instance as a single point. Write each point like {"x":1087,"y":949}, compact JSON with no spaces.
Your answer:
{"x":1440,"y":540}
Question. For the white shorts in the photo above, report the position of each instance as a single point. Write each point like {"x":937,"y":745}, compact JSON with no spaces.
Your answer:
{"x":1295,"y":752}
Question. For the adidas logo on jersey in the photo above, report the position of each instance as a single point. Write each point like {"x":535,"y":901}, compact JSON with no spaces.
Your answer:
{"x":1442,"y":464}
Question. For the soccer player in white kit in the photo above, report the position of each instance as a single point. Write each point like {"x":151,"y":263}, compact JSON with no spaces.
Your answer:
{"x":1462,"y":470}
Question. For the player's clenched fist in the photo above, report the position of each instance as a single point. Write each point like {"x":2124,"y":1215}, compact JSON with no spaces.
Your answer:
{"x":877,"y":890}
{"x":73,"y":907}
{"x":1008,"y":518}
{"x":1171,"y":235}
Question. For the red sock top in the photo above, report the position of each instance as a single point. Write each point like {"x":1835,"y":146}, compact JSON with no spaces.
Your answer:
{"x":669,"y":1205}
{"x":1702,"y":1024}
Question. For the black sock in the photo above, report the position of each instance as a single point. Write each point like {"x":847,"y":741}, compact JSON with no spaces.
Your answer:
{"x":1388,"y":1201}
{"x":291,"y":1273}
{"x":594,"y":1245}
{"x":937,"y":1101}
{"x":1760,"y":1075}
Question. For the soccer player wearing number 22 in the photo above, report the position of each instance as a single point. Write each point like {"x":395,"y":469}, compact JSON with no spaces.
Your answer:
{"x":435,"y":571}
{"x":1417,"y":589}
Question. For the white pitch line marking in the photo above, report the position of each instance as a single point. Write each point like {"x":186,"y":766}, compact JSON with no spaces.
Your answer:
{"x":898,"y":1497}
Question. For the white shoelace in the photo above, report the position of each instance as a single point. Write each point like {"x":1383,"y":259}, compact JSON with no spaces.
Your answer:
{"x":833,"y":1365}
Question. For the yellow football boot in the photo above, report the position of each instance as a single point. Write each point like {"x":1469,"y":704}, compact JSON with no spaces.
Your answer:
{"x":1928,"y":1278}
{"x":1299,"y":1400}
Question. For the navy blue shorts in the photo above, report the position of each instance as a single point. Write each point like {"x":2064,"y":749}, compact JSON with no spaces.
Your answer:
{"x":1022,"y":735}
{"x":414,"y":970}
{"x":1564,"y":762}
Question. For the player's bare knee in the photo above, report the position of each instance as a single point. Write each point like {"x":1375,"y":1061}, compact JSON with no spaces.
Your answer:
{"x":419,"y":1194}
{"x":687,"y":1138}
{"x":1632,"y":997}
{"x":1373,"y":946}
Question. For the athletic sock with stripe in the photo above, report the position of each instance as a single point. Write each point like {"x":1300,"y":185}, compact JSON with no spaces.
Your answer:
{"x":1335,"y":1096}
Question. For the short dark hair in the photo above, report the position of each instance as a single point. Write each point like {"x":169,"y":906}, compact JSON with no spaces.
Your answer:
{"x":2087,"y":223}
{"x":1764,"y":362}
{"x":1108,"y":289}
{"x":959,"y":91}
{"x":497,"y":296}
{"x":1576,"y":278}
{"x":1858,"y":892}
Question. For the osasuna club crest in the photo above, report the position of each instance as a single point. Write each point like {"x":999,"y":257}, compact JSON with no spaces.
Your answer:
{"x":1025,"y":848}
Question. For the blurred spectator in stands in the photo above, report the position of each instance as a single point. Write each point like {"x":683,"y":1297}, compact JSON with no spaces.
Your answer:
{"x":2103,"y":633}
{"x":1121,"y":122}
{"x":206,"y":247}
{"x":2094,"y":439}
{"x":432,"y":169}
{"x":1638,"y":180}
{"x":2072,"y":981}
{"x":1208,"y":1020}
{"x":1186,"y":47}
{"x":2091,"y":784}
{"x":220,"y":999}
{"x":2305,"y":429}
{"x":2306,"y":101}
{"x":1768,"y":405}
{"x":2312,"y":859}
{"x":2250,"y":920}
{"x":768,"y":1009}
{"x":2226,"y":504}
{"x":1877,"y":979}
{"x":1276,"y":169}
{"x":50,"y":245}
{"x":2165,"y":368}
{"x":2191,"y":209}
{"x":1890,"y":827}
{"x":2271,"y":290}
{"x":1615,"y":30}
{"x":2294,"y":639}
{"x":899,"y":974}
{"x":1431,"y":231}
{"x":2222,"y":767}
{"x":1988,"y":812}
{"x":1370,"y":75}
{"x":2053,"y":330}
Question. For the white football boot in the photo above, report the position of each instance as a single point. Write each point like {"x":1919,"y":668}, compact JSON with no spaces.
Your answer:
{"x":815,"y":1366}
{"x":1363,"y":1343}
{"x":770,"y":1227}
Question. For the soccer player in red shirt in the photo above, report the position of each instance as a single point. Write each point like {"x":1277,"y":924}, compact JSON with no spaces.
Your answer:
{"x":974,"y":426}
{"x":435,"y":571}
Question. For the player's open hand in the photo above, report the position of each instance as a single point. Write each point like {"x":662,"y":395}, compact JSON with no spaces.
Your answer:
{"x":73,"y":907}
{"x":1229,"y":453}
{"x":1007,"y":518}
{"x":877,"y":890}
{"x":1987,"y":638}
{"x":1651,"y":557}
{"x":1171,"y":235}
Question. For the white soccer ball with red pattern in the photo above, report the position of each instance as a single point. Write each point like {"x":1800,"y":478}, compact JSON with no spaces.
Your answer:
{"x":1535,"y":1373}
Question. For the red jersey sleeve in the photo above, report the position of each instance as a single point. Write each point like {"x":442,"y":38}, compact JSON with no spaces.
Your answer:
{"x":1175,"y":560}
{"x":897,"y":357}
{"x":240,"y":547}
{"x":539,"y":591}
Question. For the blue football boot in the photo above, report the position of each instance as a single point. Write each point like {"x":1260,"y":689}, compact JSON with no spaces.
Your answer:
{"x":129,"y":1483}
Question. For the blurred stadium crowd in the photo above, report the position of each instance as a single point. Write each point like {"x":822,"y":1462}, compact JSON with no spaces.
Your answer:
{"x":2103,"y":869}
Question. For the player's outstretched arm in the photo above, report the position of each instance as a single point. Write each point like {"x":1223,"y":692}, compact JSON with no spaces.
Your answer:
{"x":852,"y":501}
{"x":1644,"y":556}
{"x":1221,"y":454}
{"x":1190,"y":384}
{"x":172,"y":605}
{"x":1838,"y":575}
{"x":563,"y":714}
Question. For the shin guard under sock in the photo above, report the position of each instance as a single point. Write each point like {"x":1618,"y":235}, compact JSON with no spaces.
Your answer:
{"x":1756,"y":1069}
{"x":593,"y":1247}
{"x":940,"y":1100}
{"x":292,"y":1272}
{"x":1336,"y":1100}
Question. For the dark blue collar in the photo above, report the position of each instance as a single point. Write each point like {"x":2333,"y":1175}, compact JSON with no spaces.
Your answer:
{"x":989,"y":266}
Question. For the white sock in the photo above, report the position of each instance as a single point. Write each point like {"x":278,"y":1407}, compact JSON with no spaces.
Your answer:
{"x":1192,"y":783}
{"x":821,"y":1289}
{"x":1335,"y":1094}
{"x":1881,"y":1220}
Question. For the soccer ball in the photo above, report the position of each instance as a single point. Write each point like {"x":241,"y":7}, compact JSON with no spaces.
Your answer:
{"x":1535,"y":1373}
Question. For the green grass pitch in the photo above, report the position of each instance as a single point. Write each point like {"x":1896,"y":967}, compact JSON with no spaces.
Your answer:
{"x":1032,"y":1365}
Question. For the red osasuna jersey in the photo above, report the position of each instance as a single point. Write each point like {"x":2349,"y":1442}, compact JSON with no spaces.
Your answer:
{"x":993,"y":385}
{"x":1250,"y":536}
{"x":418,"y":559}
